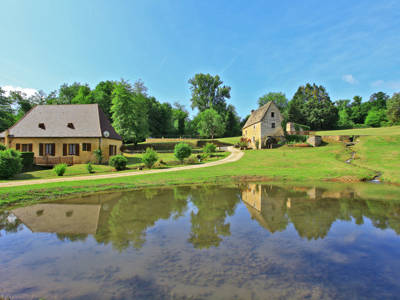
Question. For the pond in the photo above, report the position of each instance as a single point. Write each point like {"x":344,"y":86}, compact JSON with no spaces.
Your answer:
{"x":249,"y":241}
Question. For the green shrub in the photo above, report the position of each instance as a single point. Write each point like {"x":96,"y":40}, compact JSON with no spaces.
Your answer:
{"x":192,"y":160}
{"x":182,"y":151}
{"x":27,"y":160}
{"x":209,"y":148}
{"x":89,"y":168}
{"x":118,"y":162}
{"x":60,"y":169}
{"x":99,"y":155}
{"x":2,"y":147}
{"x":10,"y":163}
{"x":149,"y":158}
{"x":296,"y":138}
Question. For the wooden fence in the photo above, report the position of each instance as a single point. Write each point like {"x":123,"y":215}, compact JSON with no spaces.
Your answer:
{"x":53,"y":160}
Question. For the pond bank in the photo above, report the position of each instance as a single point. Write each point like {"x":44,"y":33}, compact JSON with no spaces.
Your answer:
{"x":284,"y":164}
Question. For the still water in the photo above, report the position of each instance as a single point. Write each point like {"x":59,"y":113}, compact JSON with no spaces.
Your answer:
{"x":211,"y":242}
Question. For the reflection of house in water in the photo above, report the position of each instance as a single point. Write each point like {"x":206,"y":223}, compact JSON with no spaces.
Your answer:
{"x":75,"y":216}
{"x":268,"y":205}
{"x":311,"y":210}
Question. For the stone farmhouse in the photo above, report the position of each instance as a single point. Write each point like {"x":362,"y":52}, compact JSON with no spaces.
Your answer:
{"x":63,"y":134}
{"x":263,"y":127}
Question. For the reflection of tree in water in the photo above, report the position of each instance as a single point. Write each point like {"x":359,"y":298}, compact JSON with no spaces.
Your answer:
{"x":130,"y":217}
{"x":8,"y":222}
{"x":313,"y":218}
{"x":208,"y":223}
{"x":312,"y":211}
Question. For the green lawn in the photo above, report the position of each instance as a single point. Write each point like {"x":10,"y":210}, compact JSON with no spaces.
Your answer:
{"x":134,"y":161}
{"x":229,"y":140}
{"x":381,"y":154}
{"x":394,"y":130}
{"x":285,"y":163}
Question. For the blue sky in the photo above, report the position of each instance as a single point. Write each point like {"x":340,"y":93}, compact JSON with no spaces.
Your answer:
{"x":350,"y":47}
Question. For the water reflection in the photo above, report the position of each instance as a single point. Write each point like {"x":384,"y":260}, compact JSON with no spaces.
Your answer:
{"x":312,"y":211}
{"x":205,"y":242}
{"x":122,"y":219}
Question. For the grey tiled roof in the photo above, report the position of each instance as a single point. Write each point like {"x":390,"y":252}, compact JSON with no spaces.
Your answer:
{"x":257,"y":115}
{"x":88,"y":121}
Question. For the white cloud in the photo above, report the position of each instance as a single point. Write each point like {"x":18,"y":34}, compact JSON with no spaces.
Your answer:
{"x":349,"y":79}
{"x":9,"y":88}
{"x":393,"y":84}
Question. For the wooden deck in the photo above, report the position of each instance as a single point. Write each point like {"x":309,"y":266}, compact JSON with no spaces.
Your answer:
{"x":53,"y":160}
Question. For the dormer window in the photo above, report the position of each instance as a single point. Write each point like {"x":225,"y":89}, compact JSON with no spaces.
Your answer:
{"x":71,"y":125}
{"x":272,"y":114}
{"x":41,"y":126}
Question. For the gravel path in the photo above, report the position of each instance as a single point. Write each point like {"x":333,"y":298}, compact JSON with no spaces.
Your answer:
{"x":234,"y":156}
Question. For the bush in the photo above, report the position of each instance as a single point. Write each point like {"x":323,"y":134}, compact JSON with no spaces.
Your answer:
{"x":192,"y":160}
{"x":89,"y":168}
{"x":118,"y":162}
{"x":2,"y":147}
{"x":243,"y":143}
{"x":27,"y":160}
{"x":182,"y":151}
{"x":99,"y":155}
{"x":149,"y":158}
{"x":60,"y":169}
{"x":209,"y":148}
{"x":296,"y":138}
{"x":10,"y":163}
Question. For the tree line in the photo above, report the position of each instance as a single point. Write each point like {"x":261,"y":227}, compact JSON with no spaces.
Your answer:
{"x":312,"y":106}
{"x":136,"y":115}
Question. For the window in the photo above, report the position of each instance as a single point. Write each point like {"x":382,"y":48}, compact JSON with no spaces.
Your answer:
{"x":272,"y":114}
{"x":273,"y":125}
{"x":254,"y":126}
{"x":47,"y":149}
{"x":87,"y":147}
{"x":26,"y":147}
{"x":112,"y":150}
{"x":41,"y":126}
{"x":71,"y":125}
{"x":73,"y":149}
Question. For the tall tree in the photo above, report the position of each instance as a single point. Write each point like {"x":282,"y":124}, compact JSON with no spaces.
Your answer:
{"x":159,"y":117}
{"x":129,"y":113}
{"x":6,"y":112}
{"x":312,"y":106}
{"x":83,"y":96}
{"x":393,"y":109}
{"x":210,"y":123}
{"x":279,"y":99}
{"x":232,"y":122}
{"x":102,"y":95}
{"x":208,"y":92}
{"x":179,"y":117}
{"x":67,"y":93}
{"x":356,"y":115}
{"x":378,"y":100}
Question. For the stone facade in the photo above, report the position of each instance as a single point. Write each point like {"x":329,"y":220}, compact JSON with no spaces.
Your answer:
{"x":314,"y":140}
{"x":263,"y":123}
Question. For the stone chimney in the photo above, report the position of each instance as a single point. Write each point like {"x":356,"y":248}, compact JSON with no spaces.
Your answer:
{"x":7,"y":141}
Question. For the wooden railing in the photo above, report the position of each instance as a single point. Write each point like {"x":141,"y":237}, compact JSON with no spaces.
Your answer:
{"x":53,"y":160}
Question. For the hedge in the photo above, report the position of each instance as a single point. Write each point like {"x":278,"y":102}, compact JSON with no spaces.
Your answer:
{"x":27,"y":160}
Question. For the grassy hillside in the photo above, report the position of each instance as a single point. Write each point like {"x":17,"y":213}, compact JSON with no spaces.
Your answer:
{"x":285,"y":163}
{"x":381,"y":154}
{"x":394,"y":130}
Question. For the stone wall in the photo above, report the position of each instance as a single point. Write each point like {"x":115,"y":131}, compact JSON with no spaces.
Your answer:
{"x":314,"y":140}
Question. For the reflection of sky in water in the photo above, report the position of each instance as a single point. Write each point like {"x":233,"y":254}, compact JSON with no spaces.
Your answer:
{"x":160,"y":245}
